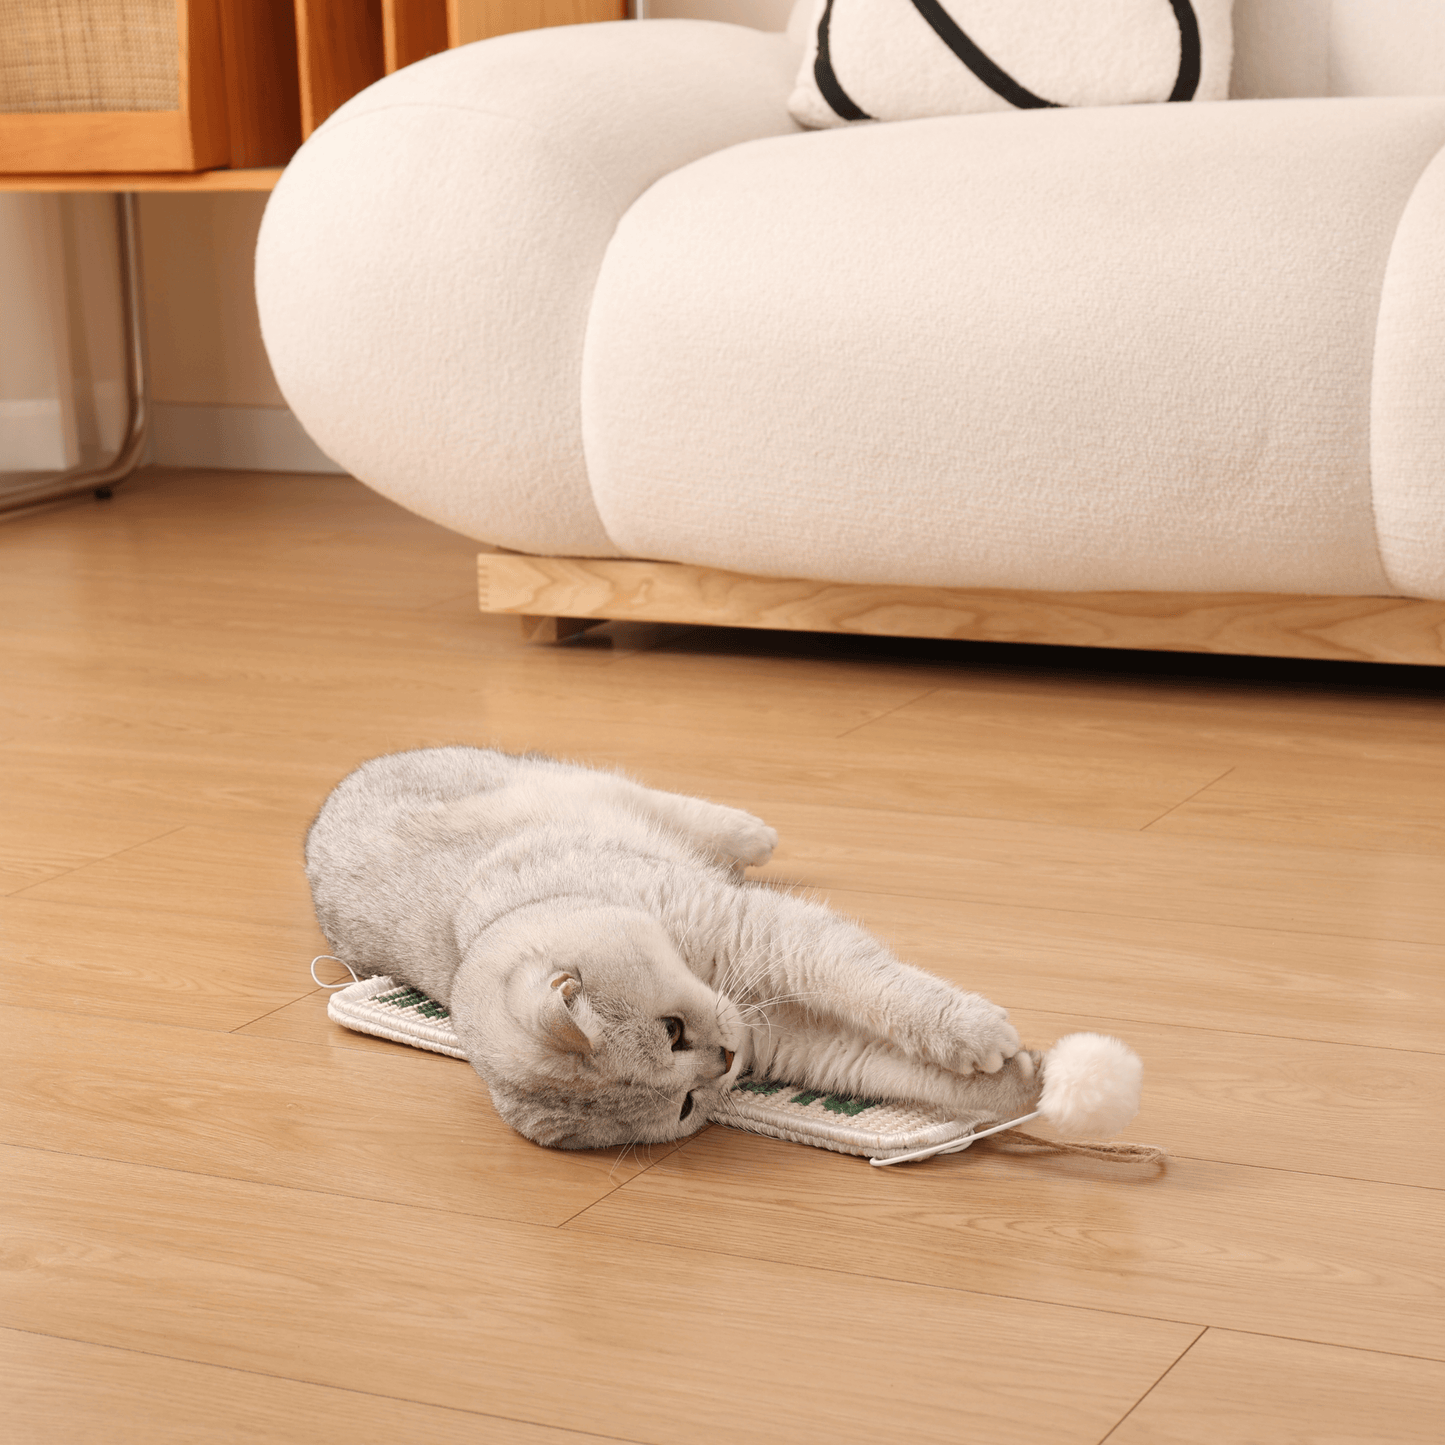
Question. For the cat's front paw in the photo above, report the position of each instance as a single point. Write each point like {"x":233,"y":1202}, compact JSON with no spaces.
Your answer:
{"x":984,"y":1039}
{"x":746,"y":841}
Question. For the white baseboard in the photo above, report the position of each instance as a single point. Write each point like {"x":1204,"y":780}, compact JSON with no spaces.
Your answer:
{"x":233,"y":438}
{"x":34,"y":436}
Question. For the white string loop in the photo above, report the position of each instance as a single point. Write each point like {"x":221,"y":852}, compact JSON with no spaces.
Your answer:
{"x":953,"y":1146}
{"x":345,"y":982}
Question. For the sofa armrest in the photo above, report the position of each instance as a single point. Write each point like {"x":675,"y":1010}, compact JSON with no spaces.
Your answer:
{"x":426,"y":265}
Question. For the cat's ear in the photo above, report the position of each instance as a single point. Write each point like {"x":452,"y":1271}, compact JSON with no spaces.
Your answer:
{"x":557,"y":1023}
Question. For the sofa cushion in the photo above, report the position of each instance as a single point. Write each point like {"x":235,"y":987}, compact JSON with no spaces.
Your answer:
{"x":426,"y":264}
{"x":905,"y":59}
{"x":1123,"y":348}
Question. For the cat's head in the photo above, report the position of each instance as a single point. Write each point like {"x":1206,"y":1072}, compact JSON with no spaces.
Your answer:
{"x":590,"y":1030}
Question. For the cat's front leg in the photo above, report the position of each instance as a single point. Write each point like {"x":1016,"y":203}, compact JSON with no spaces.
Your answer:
{"x":790,"y":949}
{"x":794,"y":1049}
{"x":934,"y":1021}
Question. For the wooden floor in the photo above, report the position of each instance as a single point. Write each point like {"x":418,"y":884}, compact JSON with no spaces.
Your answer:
{"x":227,"y":1220}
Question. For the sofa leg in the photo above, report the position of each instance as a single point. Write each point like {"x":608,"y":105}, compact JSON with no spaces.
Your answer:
{"x":555,"y":629}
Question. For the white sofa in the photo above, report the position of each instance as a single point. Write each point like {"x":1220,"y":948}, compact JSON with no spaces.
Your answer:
{"x":588,"y":292}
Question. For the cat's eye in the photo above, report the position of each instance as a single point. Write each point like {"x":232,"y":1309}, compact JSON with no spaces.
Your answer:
{"x":686,"y":1109}
{"x":676,"y":1034}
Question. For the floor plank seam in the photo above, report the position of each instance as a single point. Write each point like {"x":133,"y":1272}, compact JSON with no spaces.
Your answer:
{"x":1154,"y":1386}
{"x":316,"y":1384}
{"x":1127,"y":830}
{"x":273,"y":1184}
{"x":1201,"y":1325}
{"x":396,"y":1053}
{"x":90,"y":862}
{"x":209,"y":918}
{"x":1304,"y":1173}
{"x":1329,"y":1344}
{"x":309,"y":993}
{"x":821,"y":889}
{"x":1239,"y":1033}
{"x":1189,"y":799}
{"x":651,"y":1163}
{"x":70,"y":1013}
{"x":868,"y":722}
{"x":904,"y":1280}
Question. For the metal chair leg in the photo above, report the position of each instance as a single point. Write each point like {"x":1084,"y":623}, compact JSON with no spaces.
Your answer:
{"x":48,"y":487}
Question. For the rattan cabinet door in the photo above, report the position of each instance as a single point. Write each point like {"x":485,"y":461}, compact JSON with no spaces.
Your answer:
{"x":146,"y":85}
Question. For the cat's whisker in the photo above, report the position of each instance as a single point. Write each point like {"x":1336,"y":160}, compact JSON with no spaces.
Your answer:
{"x":783,"y":997}
{"x":763,"y":1005}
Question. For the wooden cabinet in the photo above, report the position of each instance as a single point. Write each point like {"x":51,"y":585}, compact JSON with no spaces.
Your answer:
{"x":345,"y":45}
{"x":184,"y":86}
{"x":341,"y":52}
{"x":146,"y":85}
{"x":411,"y":30}
{"x":258,"y":59}
{"x":470,"y":20}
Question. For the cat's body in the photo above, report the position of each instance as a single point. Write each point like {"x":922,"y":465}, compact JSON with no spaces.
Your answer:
{"x":608,"y":973}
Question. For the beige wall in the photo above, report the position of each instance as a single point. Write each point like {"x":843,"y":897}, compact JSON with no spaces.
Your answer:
{"x":205,"y":340}
{"x":62,"y":359}
{"x":761,"y":14}
{"x":1338,"y":47}
{"x":29,"y":238}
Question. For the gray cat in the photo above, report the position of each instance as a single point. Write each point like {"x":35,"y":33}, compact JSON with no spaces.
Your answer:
{"x":609,"y":972}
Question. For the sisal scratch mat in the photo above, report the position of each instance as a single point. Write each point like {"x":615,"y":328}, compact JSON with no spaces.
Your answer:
{"x":879,"y":1129}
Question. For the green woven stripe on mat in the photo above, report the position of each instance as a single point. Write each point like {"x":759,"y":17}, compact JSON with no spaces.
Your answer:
{"x":414,"y":1002}
{"x":833,"y":1103}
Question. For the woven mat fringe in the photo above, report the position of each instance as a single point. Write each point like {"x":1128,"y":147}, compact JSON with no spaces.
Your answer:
{"x":1113,"y":1153}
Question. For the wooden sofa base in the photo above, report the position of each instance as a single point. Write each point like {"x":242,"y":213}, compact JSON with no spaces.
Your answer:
{"x":559,"y":596}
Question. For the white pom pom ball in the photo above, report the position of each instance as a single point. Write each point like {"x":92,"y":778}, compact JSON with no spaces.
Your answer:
{"x":1091,"y":1085}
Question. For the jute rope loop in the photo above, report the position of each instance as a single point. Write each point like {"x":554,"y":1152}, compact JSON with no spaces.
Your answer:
{"x":1120,"y":1153}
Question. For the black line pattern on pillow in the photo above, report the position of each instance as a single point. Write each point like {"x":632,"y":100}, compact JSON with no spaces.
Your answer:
{"x":839,"y":101}
{"x":993,"y":75}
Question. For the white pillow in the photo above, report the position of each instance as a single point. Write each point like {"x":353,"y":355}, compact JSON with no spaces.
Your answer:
{"x":903,"y":59}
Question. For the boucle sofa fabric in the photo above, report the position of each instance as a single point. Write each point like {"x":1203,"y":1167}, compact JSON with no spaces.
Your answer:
{"x":590,"y":291}
{"x":426,"y":264}
{"x":1408,"y":419}
{"x":907,"y":59}
{"x":1121,"y":348}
